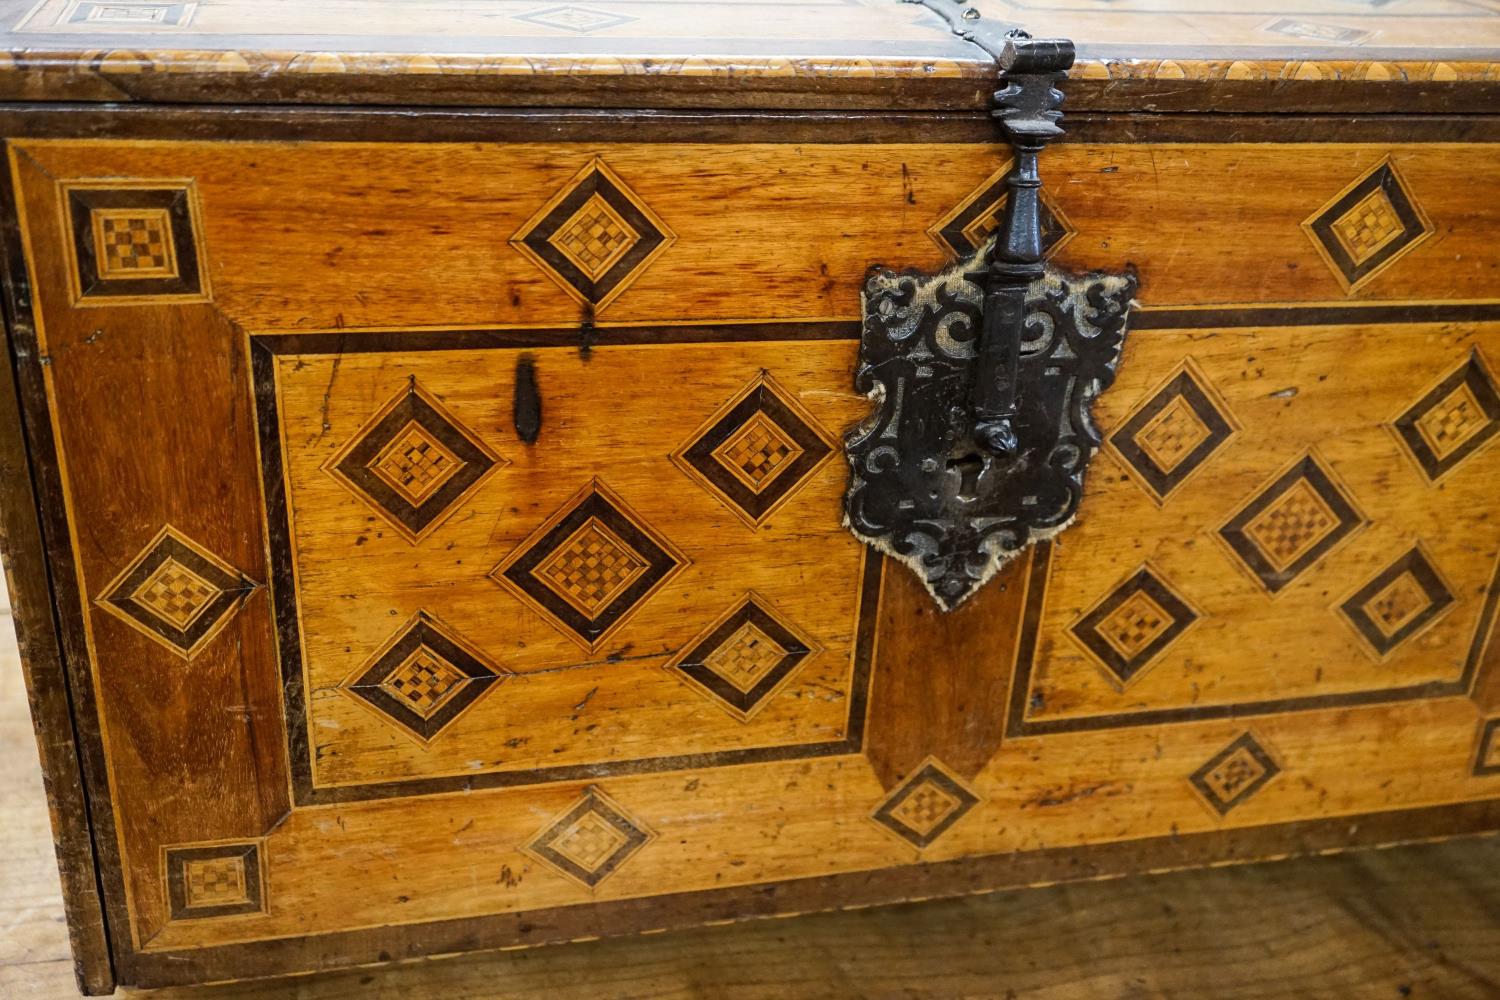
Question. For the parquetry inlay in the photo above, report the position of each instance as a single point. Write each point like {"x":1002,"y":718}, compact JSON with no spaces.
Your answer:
{"x":1291,"y":523}
{"x":1235,"y":774}
{"x":1399,"y":601}
{"x":925,"y":806}
{"x":745,"y":657}
{"x":590,"y":840}
{"x":1453,"y":420}
{"x":134,"y":243}
{"x":213,"y":880}
{"x":1368,"y":226}
{"x":592,"y":567}
{"x":1134,"y":624}
{"x":1174,"y":432}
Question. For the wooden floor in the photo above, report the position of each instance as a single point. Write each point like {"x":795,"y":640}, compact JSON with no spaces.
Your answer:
{"x":1409,"y":922}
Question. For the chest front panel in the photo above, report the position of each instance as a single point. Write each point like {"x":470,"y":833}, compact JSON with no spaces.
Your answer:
{"x":456,"y":556}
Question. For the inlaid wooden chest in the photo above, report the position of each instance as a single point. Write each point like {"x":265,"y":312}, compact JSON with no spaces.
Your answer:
{"x":466,"y":487}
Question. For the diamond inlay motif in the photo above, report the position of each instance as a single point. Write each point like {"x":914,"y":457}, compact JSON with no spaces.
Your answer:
{"x":594,"y":237}
{"x":1402,"y":600}
{"x":925,"y":806}
{"x":590,"y":566}
{"x":745,"y":657}
{"x":1453,"y":420}
{"x":1234,"y":774}
{"x":131,"y":240}
{"x":970,"y":224}
{"x":424,"y":678}
{"x":1181,"y":425}
{"x":1134,"y":624}
{"x":1487,"y":760}
{"x":213,"y":880}
{"x":1367,"y":227}
{"x":569,"y":17}
{"x":414,"y":462}
{"x":590,"y":841}
{"x":176,"y":592}
{"x":1291,"y":524}
{"x":756,"y":451}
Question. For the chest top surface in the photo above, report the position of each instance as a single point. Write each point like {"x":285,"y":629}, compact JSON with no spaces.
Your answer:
{"x":726,"y":53}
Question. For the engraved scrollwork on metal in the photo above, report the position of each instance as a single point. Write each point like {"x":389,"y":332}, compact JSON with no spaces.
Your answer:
{"x":984,"y":375}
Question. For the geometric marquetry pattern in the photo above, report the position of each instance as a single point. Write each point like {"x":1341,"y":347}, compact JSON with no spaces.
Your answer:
{"x":595,"y":236}
{"x":424,"y":678}
{"x":213,"y":881}
{"x":132,"y":12}
{"x":744,"y":658}
{"x":589,"y":841}
{"x":1367,"y":227}
{"x":971,"y":222}
{"x":176,"y":592}
{"x":1453,"y":420}
{"x":1291,"y":523}
{"x":1174,"y":432}
{"x":574,"y":18}
{"x":1487,"y":759}
{"x":590,"y":565}
{"x":1134,"y":624}
{"x":1399,"y":602}
{"x":132,"y":241}
{"x":755,"y":451}
{"x":1234,"y":774}
{"x":413,"y":462}
{"x":926,"y":805}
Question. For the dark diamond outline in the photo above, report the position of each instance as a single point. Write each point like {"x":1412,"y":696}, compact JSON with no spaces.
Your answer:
{"x":650,"y":236}
{"x":1439,"y":599}
{"x":1246,"y":741}
{"x":1476,"y":375}
{"x":1414,"y":226}
{"x":175,"y":866}
{"x":518,"y":569}
{"x":929,"y":771}
{"x":1161,"y":484}
{"x":692,"y":664}
{"x":420,"y":631}
{"x":597,"y":803}
{"x":1056,"y":229}
{"x":177,"y":201}
{"x":1086,"y":629}
{"x":760,"y":397}
{"x":169,"y":544}
{"x":1350,"y":520}
{"x":414,"y":521}
{"x":1489,"y":736}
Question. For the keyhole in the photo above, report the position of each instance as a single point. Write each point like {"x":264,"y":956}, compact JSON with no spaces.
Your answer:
{"x":969,"y":467}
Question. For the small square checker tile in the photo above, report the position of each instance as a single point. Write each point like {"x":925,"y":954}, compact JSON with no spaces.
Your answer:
{"x":1368,"y":226}
{"x":1291,"y":524}
{"x":925,"y":806}
{"x":590,"y":840}
{"x":1234,"y":774}
{"x":1453,"y":420}
{"x":1400,"y":601}
{"x":214,"y":880}
{"x":132,"y":243}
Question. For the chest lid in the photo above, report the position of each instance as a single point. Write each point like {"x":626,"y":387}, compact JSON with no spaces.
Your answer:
{"x":1134,"y":55}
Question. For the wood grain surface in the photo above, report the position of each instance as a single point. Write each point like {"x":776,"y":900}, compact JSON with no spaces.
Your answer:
{"x":1414,"y":922}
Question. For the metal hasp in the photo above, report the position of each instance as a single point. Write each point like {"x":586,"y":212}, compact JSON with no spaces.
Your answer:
{"x":984,"y":375}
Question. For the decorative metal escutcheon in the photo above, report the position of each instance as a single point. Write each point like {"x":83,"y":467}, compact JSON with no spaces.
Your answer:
{"x":984,"y":375}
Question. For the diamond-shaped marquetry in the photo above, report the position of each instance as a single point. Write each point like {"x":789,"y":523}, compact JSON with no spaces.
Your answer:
{"x":590,"y":566}
{"x":1487,"y":757}
{"x":214,"y":880}
{"x":131,"y":241}
{"x":590,"y":840}
{"x":756,"y":451}
{"x":1367,"y":227}
{"x":595,"y":236}
{"x":424,"y":678}
{"x":1234,"y":774}
{"x":974,"y":220}
{"x":926,"y":805}
{"x":745,"y":657}
{"x":1456,"y":418}
{"x":176,"y":592}
{"x":1134,"y":624}
{"x":1174,"y":432}
{"x":1402,"y":600}
{"x":414,"y":462}
{"x":572,"y":17}
{"x":1291,"y":523}
{"x":132,"y":13}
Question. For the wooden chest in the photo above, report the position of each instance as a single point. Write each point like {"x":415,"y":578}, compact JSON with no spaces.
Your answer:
{"x":435,"y":437}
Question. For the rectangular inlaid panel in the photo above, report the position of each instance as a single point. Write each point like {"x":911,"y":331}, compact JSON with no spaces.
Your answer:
{"x":370,"y":668}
